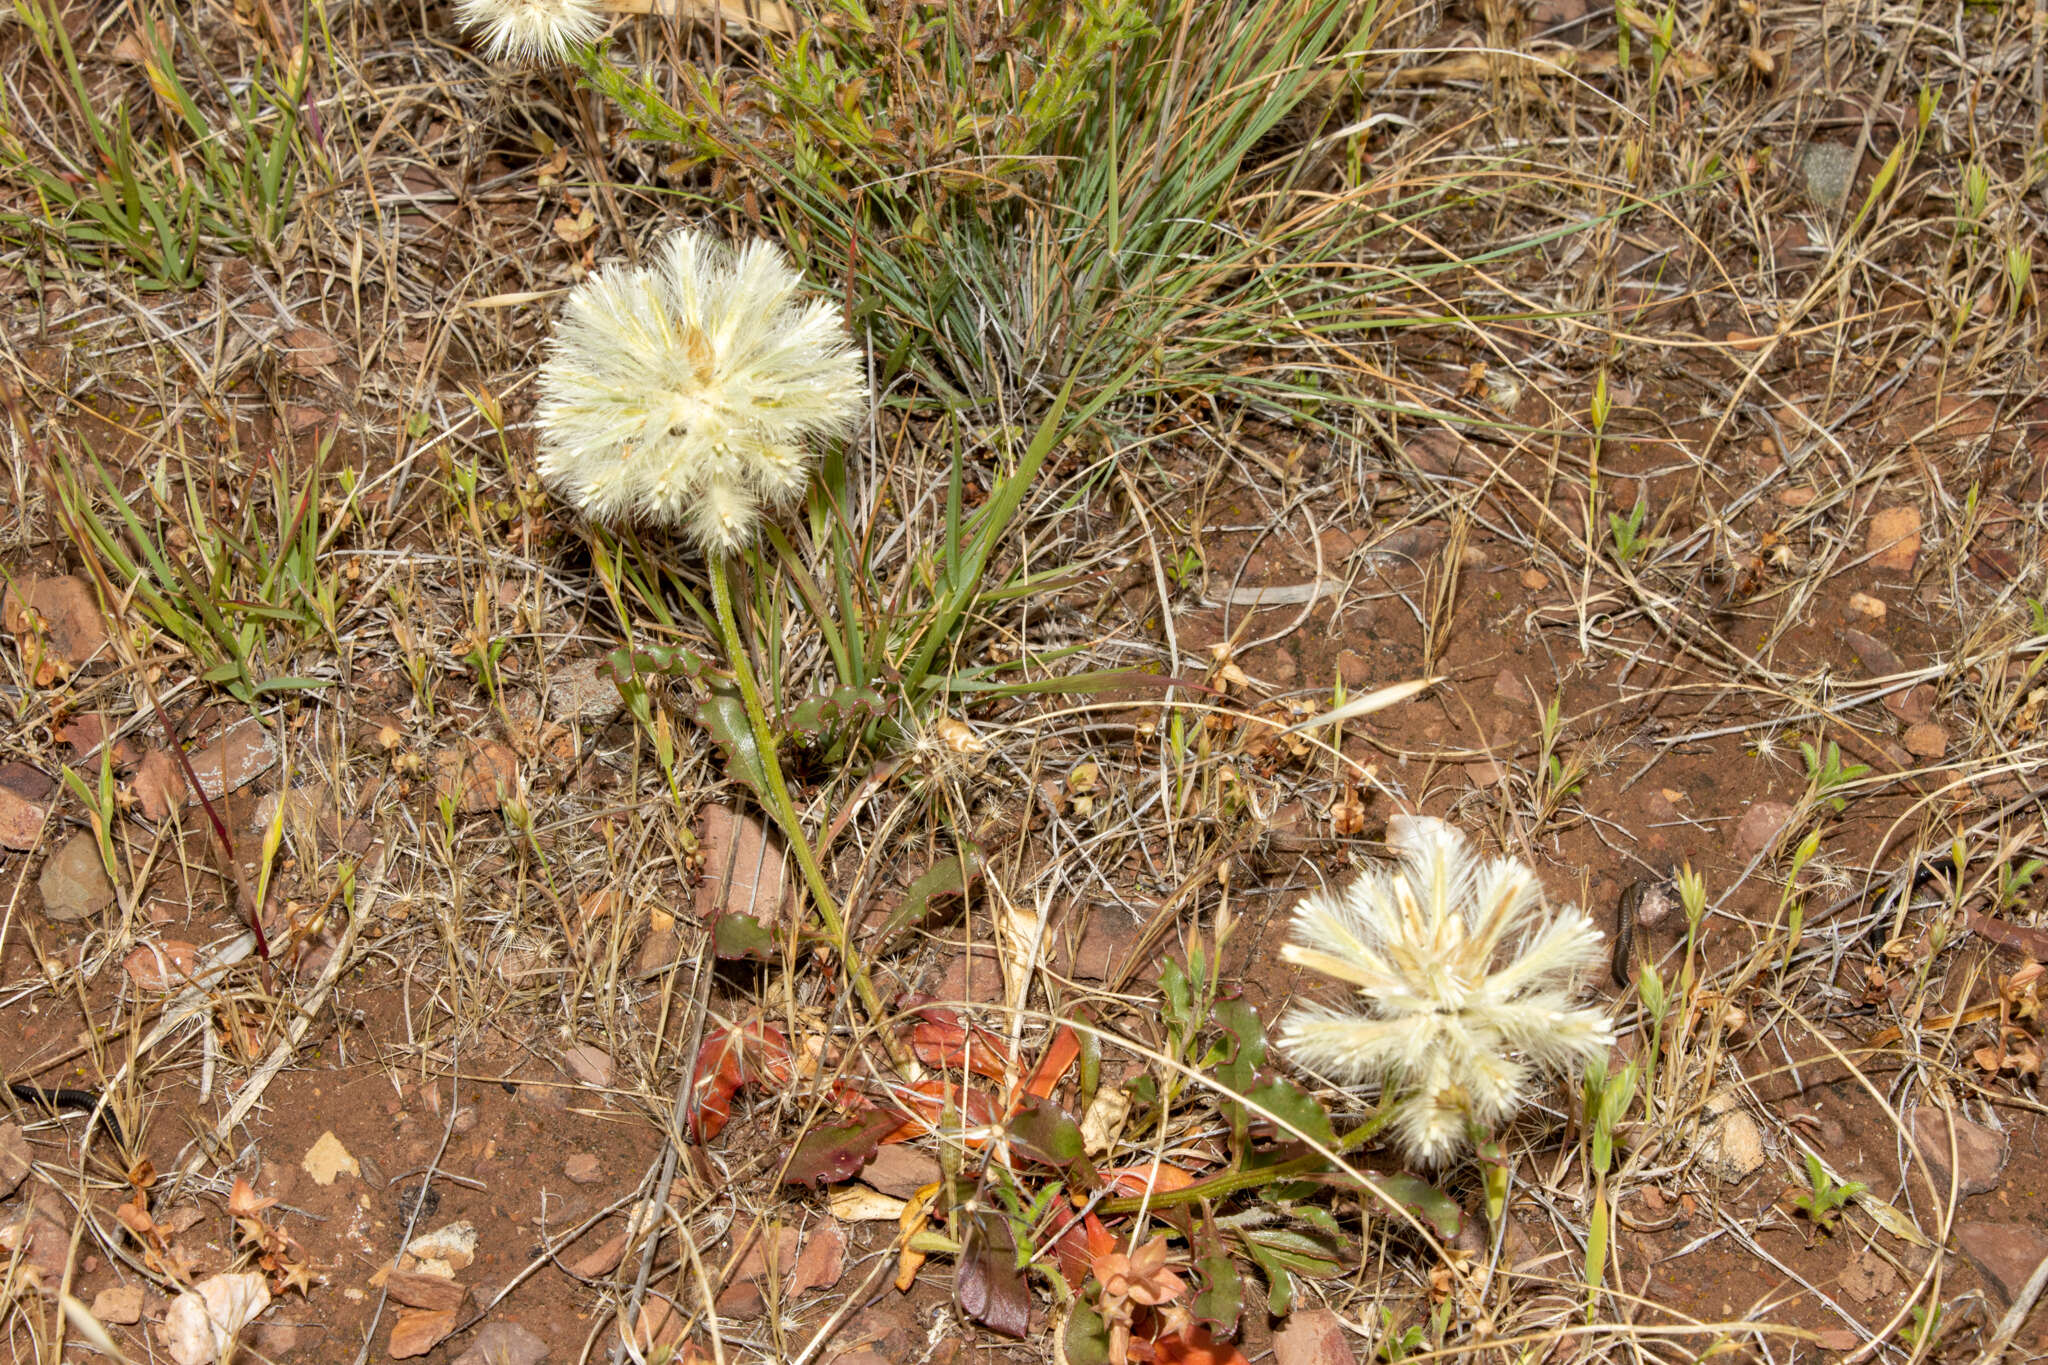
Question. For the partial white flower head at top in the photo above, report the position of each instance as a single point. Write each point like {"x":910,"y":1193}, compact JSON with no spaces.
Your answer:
{"x":530,"y":30}
{"x":689,"y":391}
{"x":1465,"y":988}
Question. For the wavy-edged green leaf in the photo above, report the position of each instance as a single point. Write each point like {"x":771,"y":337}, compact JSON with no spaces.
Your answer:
{"x":1042,"y":1131}
{"x":1424,"y":1200}
{"x":834,"y":1152}
{"x":1304,"y":1116}
{"x":724,"y":718}
{"x":737,"y":937}
{"x":815,"y":715}
{"x":946,"y":879}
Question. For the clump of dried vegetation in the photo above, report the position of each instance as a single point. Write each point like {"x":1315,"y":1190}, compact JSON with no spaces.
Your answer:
{"x":1616,"y":433}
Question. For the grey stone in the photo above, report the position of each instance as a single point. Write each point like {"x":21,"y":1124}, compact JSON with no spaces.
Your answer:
{"x":1830,"y":169}
{"x":74,"y":882}
{"x":504,"y":1343}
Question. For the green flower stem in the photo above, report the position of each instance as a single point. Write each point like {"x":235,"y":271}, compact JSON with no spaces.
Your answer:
{"x":784,"y":811}
{"x":1230,"y":1182}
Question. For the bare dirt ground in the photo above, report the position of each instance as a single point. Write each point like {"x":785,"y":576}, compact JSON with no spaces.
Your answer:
{"x":1717,"y":521}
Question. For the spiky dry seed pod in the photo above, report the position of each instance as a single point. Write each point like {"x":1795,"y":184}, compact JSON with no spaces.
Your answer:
{"x":530,"y":30}
{"x":1466,"y":987}
{"x":688,"y":391}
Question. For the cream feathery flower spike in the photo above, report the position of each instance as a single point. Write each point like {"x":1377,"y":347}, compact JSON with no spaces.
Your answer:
{"x":530,"y":30}
{"x":688,"y":391}
{"x":1466,"y":987}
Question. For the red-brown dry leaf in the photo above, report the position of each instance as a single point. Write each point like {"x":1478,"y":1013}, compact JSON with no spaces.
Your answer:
{"x":602,"y":1261}
{"x":828,"y":1153}
{"x":729,"y":1059}
{"x":940,"y":1039}
{"x":1052,"y":1068}
{"x":924,"y":1105}
{"x":987,"y":1284}
{"x":159,"y":785}
{"x":1078,"y":1241}
{"x":2019,"y":937}
{"x":1192,"y":1346}
{"x":1312,"y":1336}
{"x":1157,"y":1177}
{"x":657,"y":1325}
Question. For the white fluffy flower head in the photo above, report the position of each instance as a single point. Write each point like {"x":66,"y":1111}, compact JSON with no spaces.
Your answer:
{"x":530,"y":30}
{"x":688,"y":391}
{"x":1465,"y":987}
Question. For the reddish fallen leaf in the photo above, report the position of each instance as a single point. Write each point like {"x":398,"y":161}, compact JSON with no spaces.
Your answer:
{"x":922,"y":1108}
{"x":162,"y":966}
{"x":602,"y":1261}
{"x":1312,"y":1336}
{"x":834,"y":1152}
{"x":1052,"y":1068}
{"x":1155,"y":1177}
{"x":729,"y":1059}
{"x":988,"y":1284}
{"x":940,"y":1039}
{"x":657,"y":1325}
{"x":1191,"y":1346}
{"x":1070,"y":1241}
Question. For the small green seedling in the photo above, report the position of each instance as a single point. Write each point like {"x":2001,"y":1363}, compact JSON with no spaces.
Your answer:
{"x":1826,"y":1198}
{"x":1629,"y":540}
{"x":1825,"y":775}
{"x":1926,"y":1322}
{"x":2012,"y":881}
{"x":1395,"y":1346}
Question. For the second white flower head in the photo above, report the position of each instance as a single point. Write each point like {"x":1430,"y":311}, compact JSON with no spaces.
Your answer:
{"x":1466,"y":988}
{"x":530,"y":30}
{"x":687,"y":391}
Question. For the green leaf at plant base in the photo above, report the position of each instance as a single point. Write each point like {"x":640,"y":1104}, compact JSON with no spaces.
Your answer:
{"x":945,"y":880}
{"x":1244,"y":1038}
{"x":815,"y":715}
{"x":1424,"y":1200}
{"x":1301,"y":1115}
{"x":670,"y":660}
{"x":739,"y":937}
{"x":1087,"y":1337}
{"x":1221,"y":1298}
{"x":724,"y":716}
{"x":1042,"y":1131}
{"x":834,"y":1152}
{"x":1281,"y":1254}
